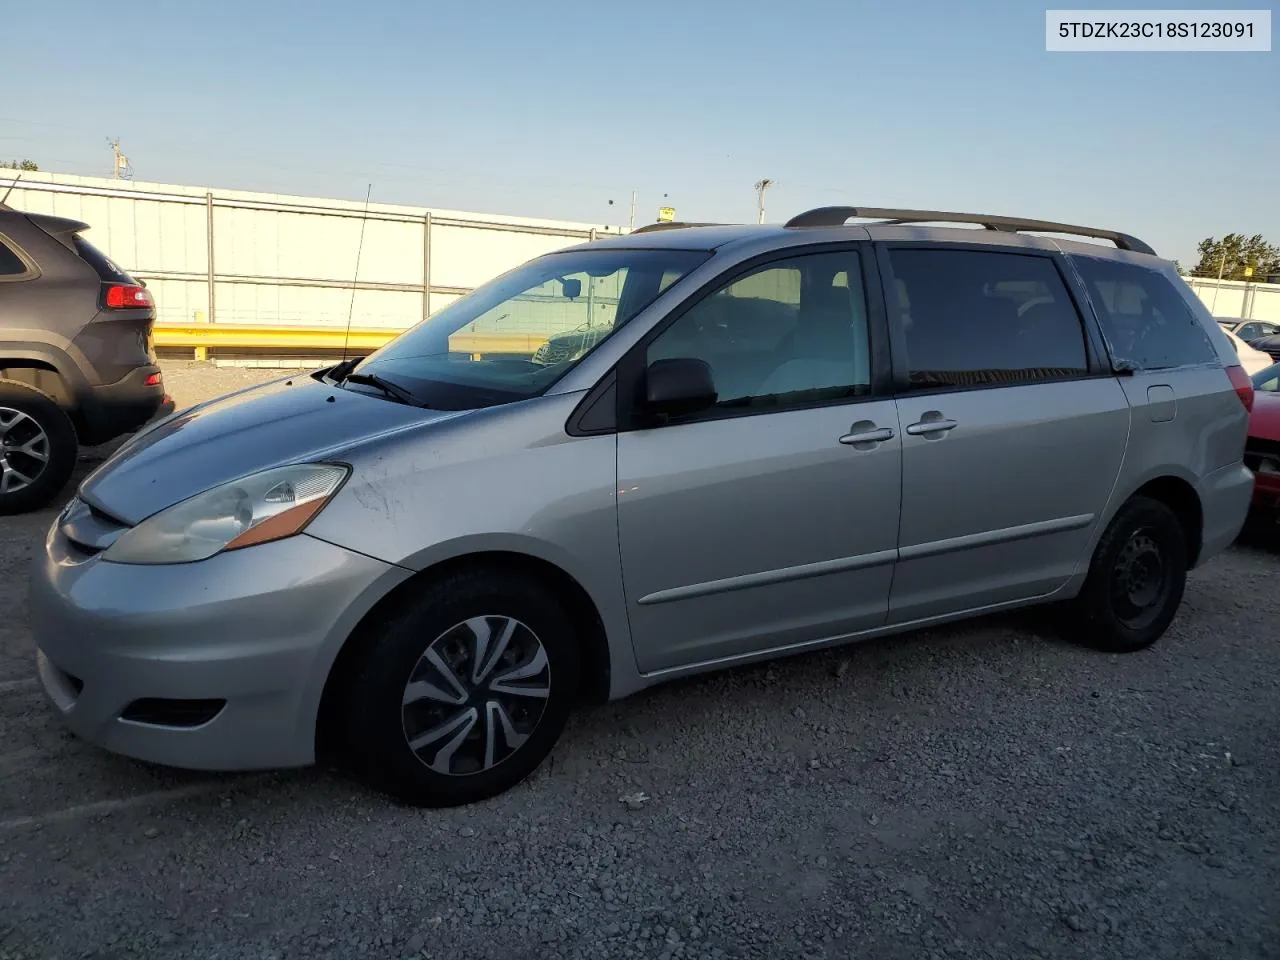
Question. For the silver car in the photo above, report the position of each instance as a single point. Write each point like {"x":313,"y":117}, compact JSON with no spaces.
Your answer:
{"x":794,"y":436}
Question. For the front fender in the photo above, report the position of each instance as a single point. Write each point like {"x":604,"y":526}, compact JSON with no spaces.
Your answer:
{"x":507,"y":480}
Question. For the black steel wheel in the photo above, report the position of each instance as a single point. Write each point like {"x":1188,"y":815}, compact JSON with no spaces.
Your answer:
{"x":1136,"y":580}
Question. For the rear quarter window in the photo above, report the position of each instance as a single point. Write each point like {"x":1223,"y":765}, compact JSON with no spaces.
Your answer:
{"x":11,"y":265}
{"x":101,"y":263}
{"x":1144,"y":318}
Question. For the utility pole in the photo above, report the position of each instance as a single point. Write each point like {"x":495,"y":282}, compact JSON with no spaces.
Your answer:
{"x":761,"y":187}
{"x":1222,"y":266}
{"x":120,"y":169}
{"x":633,"y":209}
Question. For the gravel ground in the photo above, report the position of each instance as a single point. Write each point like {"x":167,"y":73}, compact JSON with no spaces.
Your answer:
{"x":980,"y":791}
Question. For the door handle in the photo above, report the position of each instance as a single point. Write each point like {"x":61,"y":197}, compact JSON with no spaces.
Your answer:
{"x":925,"y":427}
{"x":866,"y":433}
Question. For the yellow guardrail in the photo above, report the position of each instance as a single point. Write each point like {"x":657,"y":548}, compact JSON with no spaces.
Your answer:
{"x":200,"y":337}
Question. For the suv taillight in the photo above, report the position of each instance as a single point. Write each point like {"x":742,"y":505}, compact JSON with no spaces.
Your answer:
{"x":1244,"y":386}
{"x":121,"y":296}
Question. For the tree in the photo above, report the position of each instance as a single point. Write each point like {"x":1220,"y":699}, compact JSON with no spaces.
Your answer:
{"x":28,"y":166}
{"x":1233,"y":253}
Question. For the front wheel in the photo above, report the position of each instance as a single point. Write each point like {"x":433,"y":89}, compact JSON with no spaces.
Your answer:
{"x":463,"y":693}
{"x":1136,"y":580}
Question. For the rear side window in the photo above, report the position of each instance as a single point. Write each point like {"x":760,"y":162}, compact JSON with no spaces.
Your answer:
{"x":978,"y":318}
{"x":11,"y":264}
{"x":1146,"y":322}
{"x":106,"y":269}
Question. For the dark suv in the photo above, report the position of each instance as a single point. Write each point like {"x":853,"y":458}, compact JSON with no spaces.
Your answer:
{"x":76,"y":361}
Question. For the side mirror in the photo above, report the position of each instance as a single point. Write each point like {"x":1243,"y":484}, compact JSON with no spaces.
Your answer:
{"x":572,"y":288}
{"x":678,"y":386}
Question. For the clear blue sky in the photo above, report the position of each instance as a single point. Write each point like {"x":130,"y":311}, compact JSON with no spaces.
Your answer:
{"x":554,"y":108}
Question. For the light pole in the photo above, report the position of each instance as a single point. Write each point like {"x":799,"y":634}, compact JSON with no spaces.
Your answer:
{"x":631,"y":222}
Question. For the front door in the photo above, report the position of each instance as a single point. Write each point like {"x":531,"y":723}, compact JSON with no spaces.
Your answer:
{"x":1013,"y":434}
{"x":770,"y":519}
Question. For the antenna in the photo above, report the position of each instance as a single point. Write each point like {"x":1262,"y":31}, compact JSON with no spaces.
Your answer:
{"x":364,"y":218}
{"x":10,"y":190}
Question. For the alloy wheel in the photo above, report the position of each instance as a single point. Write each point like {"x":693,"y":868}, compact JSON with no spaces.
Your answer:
{"x":24,"y":450}
{"x":475,"y":695}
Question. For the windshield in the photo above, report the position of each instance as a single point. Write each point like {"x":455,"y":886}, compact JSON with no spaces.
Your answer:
{"x":515,"y":336}
{"x":1267,"y":379}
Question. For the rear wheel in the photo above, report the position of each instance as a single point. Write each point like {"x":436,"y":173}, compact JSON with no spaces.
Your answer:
{"x":1136,"y":580}
{"x":37,"y":448}
{"x":462,"y":694}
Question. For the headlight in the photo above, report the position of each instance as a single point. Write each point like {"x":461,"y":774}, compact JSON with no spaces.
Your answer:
{"x":266,"y":506}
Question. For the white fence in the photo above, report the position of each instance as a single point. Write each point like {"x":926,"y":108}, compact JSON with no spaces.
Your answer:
{"x":285,"y":260}
{"x":253,"y":258}
{"x":1235,"y":298}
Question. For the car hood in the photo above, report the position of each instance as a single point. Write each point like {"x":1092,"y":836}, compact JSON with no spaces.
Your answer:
{"x":285,"y":421}
{"x":1264,"y":421}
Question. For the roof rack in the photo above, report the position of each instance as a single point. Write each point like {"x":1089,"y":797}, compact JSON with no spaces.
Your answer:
{"x":836,"y":217}
{"x":671,"y":225}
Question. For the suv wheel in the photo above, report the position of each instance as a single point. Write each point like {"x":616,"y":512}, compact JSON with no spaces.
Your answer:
{"x":1136,"y":580}
{"x":37,"y":448}
{"x":462,"y":695}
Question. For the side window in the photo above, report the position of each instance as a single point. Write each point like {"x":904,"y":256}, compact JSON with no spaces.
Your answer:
{"x":11,"y":264}
{"x":1144,"y":318}
{"x":791,"y":332}
{"x":1249,"y":331}
{"x":977,"y":318}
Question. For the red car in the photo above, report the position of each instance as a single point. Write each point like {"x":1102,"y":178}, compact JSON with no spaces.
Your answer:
{"x":1262,"y":449}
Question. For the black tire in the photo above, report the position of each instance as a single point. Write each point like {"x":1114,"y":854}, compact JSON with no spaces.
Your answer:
{"x":378,"y":724}
{"x":28,"y":411}
{"x":1136,"y":580}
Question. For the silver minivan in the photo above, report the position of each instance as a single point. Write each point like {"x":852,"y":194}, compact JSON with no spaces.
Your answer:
{"x":678,"y":450}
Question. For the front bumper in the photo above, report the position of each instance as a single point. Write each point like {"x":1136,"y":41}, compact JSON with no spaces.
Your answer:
{"x":255,"y":629}
{"x":1262,"y":457}
{"x":1266,"y":493}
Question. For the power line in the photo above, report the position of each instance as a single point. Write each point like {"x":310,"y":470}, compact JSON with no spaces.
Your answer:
{"x":284,"y":163}
{"x":283,"y":173}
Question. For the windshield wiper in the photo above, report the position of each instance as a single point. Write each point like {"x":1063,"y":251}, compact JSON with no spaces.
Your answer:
{"x":394,"y":391}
